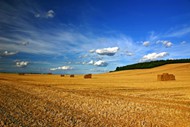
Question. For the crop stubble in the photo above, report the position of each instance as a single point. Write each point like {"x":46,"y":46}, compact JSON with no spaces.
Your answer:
{"x":51,"y":100}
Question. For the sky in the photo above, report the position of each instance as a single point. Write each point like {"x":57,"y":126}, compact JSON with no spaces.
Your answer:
{"x":90,"y":36}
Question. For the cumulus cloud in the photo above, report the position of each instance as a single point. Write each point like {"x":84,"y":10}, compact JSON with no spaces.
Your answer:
{"x":83,"y":63}
{"x":91,"y":62}
{"x":7,"y":53}
{"x":48,"y":14}
{"x":92,"y":51}
{"x":167,"y":44}
{"x":22,"y":63}
{"x":100,"y":63}
{"x":153,"y":56}
{"x":146,"y":43}
{"x":107,"y":51}
{"x":61,"y":68}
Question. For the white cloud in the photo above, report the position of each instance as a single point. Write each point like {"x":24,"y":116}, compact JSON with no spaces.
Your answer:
{"x":53,"y":69}
{"x":107,"y":51}
{"x":153,"y":56}
{"x":146,"y":43}
{"x":50,"y":14}
{"x":83,"y":63}
{"x":7,"y":53}
{"x":130,"y":54}
{"x":22,"y":63}
{"x":92,"y":51}
{"x":100,"y":63}
{"x":166,"y":43}
{"x":62,"y":68}
{"x":91,"y":62}
{"x":65,"y":68}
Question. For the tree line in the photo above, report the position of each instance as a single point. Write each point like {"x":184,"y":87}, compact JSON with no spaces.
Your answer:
{"x":151,"y":64}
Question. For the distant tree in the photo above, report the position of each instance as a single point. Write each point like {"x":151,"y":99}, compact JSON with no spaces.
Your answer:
{"x":151,"y":64}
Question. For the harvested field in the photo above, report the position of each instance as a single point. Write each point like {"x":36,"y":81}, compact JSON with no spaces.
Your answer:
{"x":132,"y":98}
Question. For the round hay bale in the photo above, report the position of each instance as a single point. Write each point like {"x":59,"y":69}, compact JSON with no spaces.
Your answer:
{"x":88,"y":76}
{"x":165,"y":77}
{"x":62,"y":75}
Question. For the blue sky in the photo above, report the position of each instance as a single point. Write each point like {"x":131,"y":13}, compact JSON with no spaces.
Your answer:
{"x":90,"y":36}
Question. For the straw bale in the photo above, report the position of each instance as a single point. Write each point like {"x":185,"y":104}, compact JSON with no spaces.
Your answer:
{"x":172,"y":77}
{"x":88,"y":76}
{"x":165,"y":77}
{"x":21,"y":74}
{"x":62,"y":75}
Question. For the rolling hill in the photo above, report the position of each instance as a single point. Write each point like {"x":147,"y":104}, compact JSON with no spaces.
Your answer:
{"x":151,"y":64}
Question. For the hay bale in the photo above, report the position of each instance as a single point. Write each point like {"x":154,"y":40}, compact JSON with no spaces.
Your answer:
{"x":165,"y":77}
{"x":72,"y":75}
{"x":62,"y":75}
{"x":21,"y":73}
{"x":88,"y":76}
{"x":49,"y":73}
{"x":172,"y":77}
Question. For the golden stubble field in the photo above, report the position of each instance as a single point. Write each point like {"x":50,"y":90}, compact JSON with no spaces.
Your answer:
{"x":132,"y":98}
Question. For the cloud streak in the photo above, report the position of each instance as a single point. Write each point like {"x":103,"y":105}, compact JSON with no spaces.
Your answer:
{"x":62,"y":68}
{"x":179,"y":32}
{"x":7,"y":53}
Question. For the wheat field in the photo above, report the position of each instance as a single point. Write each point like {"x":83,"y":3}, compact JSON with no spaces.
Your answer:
{"x":132,"y":98}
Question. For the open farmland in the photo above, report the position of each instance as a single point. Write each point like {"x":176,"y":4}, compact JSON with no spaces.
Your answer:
{"x":132,"y":98}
